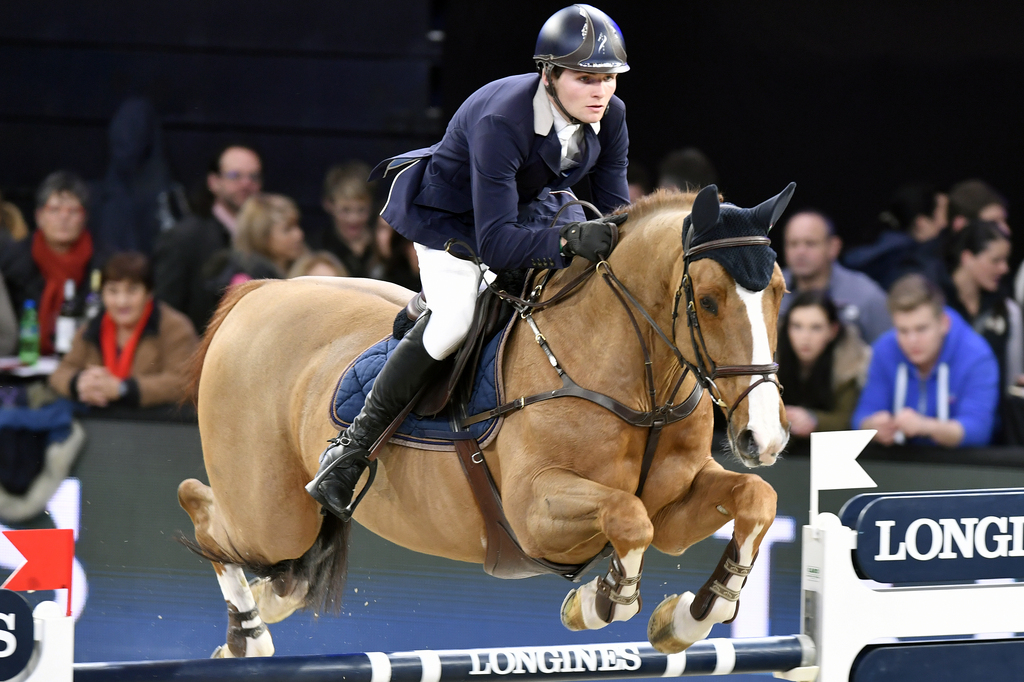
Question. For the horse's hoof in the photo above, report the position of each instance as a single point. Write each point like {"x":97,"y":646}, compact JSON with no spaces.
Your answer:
{"x":221,"y":652}
{"x":272,"y":608}
{"x":661,"y":629}
{"x":572,"y":611}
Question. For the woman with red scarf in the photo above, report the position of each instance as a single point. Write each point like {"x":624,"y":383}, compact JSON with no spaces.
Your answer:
{"x":37,"y":267}
{"x":136,"y":352}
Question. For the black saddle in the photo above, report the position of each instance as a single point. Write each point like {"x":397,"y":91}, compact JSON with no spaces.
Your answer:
{"x":455,"y":379}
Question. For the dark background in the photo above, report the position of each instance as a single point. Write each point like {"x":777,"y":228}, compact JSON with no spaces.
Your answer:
{"x":847,"y":99}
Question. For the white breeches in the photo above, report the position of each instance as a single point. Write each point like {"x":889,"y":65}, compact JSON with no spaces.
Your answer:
{"x":451,"y":286}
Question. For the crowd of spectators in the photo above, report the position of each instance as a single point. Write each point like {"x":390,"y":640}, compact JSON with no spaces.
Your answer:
{"x":918,"y":335}
{"x":934,"y":298}
{"x":118,"y":277}
{"x":196,"y":250}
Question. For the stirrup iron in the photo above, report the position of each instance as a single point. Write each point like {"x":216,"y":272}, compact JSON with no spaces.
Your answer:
{"x":346,"y":513}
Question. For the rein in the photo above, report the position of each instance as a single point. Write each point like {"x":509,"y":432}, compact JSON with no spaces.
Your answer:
{"x":654,"y":419}
{"x":658,"y":416}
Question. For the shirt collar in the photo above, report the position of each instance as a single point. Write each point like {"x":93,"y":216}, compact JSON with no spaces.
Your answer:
{"x":545,"y":115}
{"x":226,"y":219}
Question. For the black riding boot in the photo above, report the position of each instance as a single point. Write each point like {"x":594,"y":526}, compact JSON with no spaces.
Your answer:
{"x":408,"y":369}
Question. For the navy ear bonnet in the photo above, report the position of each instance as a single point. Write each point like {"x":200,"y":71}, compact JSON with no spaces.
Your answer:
{"x":751,"y":266}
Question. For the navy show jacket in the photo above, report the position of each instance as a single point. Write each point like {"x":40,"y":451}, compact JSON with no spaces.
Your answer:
{"x":494,"y":179}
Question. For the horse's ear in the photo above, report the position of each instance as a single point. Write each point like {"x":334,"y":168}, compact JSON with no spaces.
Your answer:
{"x":770,"y":211}
{"x":704,"y":214}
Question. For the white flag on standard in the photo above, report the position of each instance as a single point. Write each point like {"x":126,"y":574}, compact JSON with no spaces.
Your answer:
{"x":834,"y":463}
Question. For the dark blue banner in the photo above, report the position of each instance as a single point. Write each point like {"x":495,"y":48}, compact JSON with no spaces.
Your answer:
{"x":951,"y":661}
{"x":939,"y":537}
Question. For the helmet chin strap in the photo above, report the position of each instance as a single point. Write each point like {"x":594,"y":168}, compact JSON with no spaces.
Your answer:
{"x":550,"y":88}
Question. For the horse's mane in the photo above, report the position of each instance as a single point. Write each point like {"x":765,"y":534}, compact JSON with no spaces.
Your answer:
{"x":659,"y":200}
{"x":655,"y":202}
{"x":195,"y":368}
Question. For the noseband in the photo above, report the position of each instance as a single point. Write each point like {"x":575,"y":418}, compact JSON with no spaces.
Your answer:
{"x":706,"y":369}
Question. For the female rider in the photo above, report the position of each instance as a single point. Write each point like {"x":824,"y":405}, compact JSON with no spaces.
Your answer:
{"x":495,"y":181}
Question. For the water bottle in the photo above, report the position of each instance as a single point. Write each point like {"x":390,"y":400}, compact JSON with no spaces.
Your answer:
{"x":67,"y":321}
{"x":28,"y":344}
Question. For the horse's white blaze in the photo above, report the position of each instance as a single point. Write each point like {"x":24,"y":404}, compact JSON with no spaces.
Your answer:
{"x":763,"y":401}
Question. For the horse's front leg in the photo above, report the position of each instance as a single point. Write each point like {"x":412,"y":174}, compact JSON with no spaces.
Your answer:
{"x":715,"y":497}
{"x":567,"y":513}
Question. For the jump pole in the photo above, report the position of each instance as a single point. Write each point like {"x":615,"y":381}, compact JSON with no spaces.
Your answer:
{"x":618,"y":660}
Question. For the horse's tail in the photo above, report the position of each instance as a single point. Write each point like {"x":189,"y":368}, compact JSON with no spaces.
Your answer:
{"x":323,"y":568}
{"x":230,"y":299}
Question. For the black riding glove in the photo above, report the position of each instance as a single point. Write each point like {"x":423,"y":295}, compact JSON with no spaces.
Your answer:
{"x":592,"y":239}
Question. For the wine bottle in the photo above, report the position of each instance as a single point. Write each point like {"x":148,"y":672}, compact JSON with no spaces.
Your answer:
{"x":67,"y":321}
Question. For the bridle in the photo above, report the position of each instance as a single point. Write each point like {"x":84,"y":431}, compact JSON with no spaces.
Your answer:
{"x":708,"y":370}
{"x":658,"y":416}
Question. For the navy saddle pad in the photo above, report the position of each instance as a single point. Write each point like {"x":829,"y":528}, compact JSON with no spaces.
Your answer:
{"x":426,"y":433}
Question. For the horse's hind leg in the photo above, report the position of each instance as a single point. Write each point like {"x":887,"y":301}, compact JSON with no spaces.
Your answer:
{"x":570,"y":510}
{"x":278,"y":598}
{"x":715,"y":497}
{"x":247,"y":634}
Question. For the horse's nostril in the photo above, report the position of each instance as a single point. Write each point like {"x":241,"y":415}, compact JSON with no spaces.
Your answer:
{"x":747,"y":444}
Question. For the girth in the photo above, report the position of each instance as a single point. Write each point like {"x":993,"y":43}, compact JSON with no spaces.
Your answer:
{"x":505,"y":557}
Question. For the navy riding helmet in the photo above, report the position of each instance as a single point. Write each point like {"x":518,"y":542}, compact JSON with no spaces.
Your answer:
{"x":581,"y":38}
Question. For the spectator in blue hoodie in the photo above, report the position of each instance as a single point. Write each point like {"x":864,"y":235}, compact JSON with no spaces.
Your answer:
{"x":932,"y":379}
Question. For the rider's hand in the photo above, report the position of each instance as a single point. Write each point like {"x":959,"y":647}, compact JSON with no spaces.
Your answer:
{"x":592,"y":239}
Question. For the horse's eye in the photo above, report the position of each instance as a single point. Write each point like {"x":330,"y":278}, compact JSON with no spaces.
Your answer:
{"x":708,"y":304}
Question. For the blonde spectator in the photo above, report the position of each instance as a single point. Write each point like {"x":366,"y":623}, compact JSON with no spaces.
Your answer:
{"x":318,"y":264}
{"x":136,"y":353}
{"x":268,"y":227}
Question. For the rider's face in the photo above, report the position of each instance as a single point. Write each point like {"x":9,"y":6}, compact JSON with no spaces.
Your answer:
{"x":585,"y":95}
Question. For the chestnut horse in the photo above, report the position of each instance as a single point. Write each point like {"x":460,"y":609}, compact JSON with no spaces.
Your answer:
{"x":567,"y":469}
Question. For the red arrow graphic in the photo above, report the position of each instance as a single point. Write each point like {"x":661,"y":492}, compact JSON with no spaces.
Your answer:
{"x":49,"y":555}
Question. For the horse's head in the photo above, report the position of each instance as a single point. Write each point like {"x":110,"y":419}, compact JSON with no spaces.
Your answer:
{"x":732,"y":289}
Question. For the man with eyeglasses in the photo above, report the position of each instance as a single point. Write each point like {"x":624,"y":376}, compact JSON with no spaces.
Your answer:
{"x":234,"y":175}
